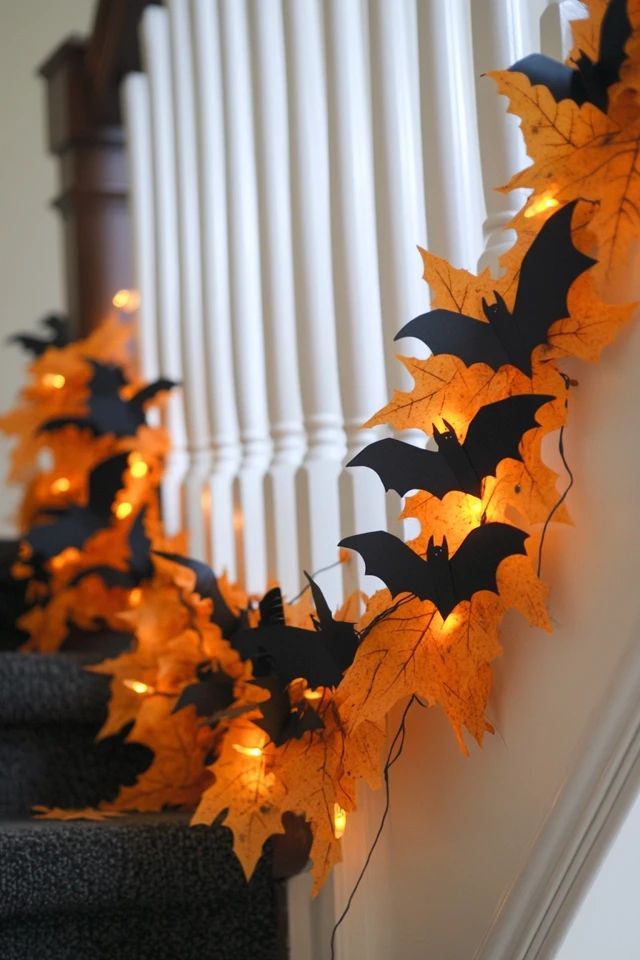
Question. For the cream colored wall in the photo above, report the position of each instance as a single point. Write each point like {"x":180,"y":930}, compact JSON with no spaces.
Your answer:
{"x":30,"y":236}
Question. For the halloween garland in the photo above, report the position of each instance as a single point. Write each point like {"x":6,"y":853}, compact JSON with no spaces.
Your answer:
{"x":255,"y":707}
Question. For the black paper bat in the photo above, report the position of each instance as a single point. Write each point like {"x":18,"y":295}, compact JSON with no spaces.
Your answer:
{"x":319,"y":656}
{"x":493,"y":435}
{"x":280,"y":720}
{"x":442,"y":579}
{"x":139,"y":563}
{"x":73,"y":526}
{"x":549,"y":268}
{"x":59,"y":327}
{"x":210,"y":695}
{"x":588,"y":81}
{"x":108,"y":411}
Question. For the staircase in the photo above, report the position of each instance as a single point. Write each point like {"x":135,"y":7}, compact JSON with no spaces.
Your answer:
{"x":132,"y":888}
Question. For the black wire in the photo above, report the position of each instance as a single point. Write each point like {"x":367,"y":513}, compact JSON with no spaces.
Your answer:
{"x":398,"y":742}
{"x":560,"y":500}
{"x":316,"y":573}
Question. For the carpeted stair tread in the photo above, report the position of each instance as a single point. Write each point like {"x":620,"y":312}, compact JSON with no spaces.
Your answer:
{"x":50,"y":688}
{"x":138,"y":862}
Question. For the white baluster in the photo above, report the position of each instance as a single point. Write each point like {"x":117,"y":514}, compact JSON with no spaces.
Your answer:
{"x":318,"y":477}
{"x":155,"y":48}
{"x":450,"y":137}
{"x":136,"y":110}
{"x":500,"y":37}
{"x":218,"y":345}
{"x":400,"y":188}
{"x":191,"y":319}
{"x":556,"y":39}
{"x":246,"y":294}
{"x":272,"y":128}
{"x":358,"y":313}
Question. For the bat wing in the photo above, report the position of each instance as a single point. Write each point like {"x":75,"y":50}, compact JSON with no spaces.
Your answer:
{"x":210,"y":695}
{"x":338,"y":636}
{"x":445,"y":331}
{"x":149,"y":392}
{"x":399,"y":568}
{"x":35,"y":345}
{"x":403,"y":467}
{"x":72,"y":529}
{"x":549,"y":268}
{"x":104,"y":482}
{"x":497,"y":429}
{"x":475,"y":563}
{"x":545,"y":70}
{"x":58,"y":423}
{"x":289,"y":653}
{"x":592,"y":80}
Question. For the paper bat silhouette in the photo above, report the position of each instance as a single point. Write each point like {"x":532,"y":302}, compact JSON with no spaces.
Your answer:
{"x":319,"y":656}
{"x":549,"y":268}
{"x":444,"y":580}
{"x":59,"y":327}
{"x":493,"y":435}
{"x":108,"y":411}
{"x":139,"y":565}
{"x":73,"y":526}
{"x":210,"y":695}
{"x":281,"y":720}
{"x":588,"y":81}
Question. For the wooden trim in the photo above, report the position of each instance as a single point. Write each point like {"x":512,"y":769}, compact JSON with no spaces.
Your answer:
{"x":85,"y":133}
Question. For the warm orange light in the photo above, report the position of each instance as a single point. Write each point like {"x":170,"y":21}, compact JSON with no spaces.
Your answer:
{"x":135,"y":596}
{"x":126,"y":300}
{"x":248,"y":751}
{"x":474,"y":510}
{"x":139,"y":469}
{"x":61,"y":485}
{"x":313,"y":694}
{"x":123,"y":510}
{"x":339,"y":821}
{"x":55,"y":380}
{"x":546,"y":202}
{"x":138,"y":686}
{"x":70,"y":555}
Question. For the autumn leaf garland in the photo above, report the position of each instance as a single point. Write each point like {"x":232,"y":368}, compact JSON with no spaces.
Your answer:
{"x":234,"y":734}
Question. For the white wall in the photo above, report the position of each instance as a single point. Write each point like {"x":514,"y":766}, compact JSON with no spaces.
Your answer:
{"x":31,"y":273}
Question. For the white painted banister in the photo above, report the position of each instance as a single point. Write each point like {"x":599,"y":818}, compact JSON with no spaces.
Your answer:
{"x":217,"y":344}
{"x":453,"y":185}
{"x":279,"y":303}
{"x":191,"y":319}
{"x":555,"y":26}
{"x":156,"y":53}
{"x":318,"y":477}
{"x":355,"y":260}
{"x":137,"y":114}
{"x":246,"y":293}
{"x":500,"y":37}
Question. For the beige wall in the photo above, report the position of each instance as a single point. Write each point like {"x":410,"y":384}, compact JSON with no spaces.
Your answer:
{"x":30,"y":239}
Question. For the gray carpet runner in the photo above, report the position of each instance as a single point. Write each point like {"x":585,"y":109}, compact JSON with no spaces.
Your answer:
{"x":131,"y":888}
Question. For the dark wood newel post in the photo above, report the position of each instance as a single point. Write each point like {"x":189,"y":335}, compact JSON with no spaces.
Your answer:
{"x":86,"y":134}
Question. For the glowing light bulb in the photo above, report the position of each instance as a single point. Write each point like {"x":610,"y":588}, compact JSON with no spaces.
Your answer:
{"x":126,"y":300}
{"x":546,"y":202}
{"x":313,"y":694}
{"x":123,"y":510}
{"x":70,"y":555}
{"x":61,"y":485}
{"x":339,"y":821}
{"x":135,"y":596}
{"x":138,"y":686}
{"x":139,"y":469}
{"x":248,"y":751}
{"x":55,"y":380}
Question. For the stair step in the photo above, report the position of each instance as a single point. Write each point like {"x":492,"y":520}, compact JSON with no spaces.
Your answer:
{"x":48,"y":688}
{"x":133,"y":887}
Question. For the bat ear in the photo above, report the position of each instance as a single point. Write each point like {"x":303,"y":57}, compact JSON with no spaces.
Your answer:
{"x":448,"y":426}
{"x":445,"y":546}
{"x":436,"y":432}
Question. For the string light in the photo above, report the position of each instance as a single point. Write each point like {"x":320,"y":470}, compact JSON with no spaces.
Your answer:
{"x":138,"y":467}
{"x":339,"y":821}
{"x":55,"y":380}
{"x":127,"y":301}
{"x":138,"y":686}
{"x":61,"y":485}
{"x":70,"y":555}
{"x":123,"y":510}
{"x":313,"y":694}
{"x":135,"y":596}
{"x":248,"y":751}
{"x":546,"y":202}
